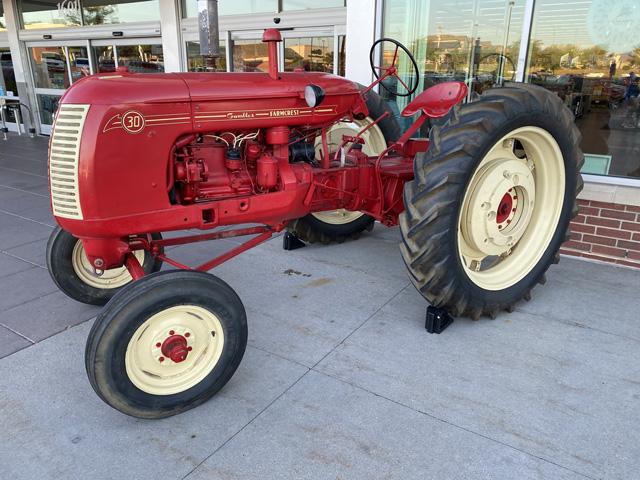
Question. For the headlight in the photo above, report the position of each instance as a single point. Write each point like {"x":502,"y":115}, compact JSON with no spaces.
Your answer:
{"x":314,"y":95}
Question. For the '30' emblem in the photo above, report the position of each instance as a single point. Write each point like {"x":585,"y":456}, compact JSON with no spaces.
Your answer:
{"x":132,"y":121}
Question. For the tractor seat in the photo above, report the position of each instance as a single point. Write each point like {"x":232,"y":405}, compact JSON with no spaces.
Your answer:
{"x":436,"y":101}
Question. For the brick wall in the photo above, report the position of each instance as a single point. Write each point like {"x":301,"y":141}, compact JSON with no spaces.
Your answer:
{"x":605,"y":231}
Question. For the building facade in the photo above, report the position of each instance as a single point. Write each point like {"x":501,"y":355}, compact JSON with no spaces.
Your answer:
{"x":585,"y":51}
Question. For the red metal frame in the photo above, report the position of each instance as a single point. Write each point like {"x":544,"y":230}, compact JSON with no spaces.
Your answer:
{"x":172,"y":168}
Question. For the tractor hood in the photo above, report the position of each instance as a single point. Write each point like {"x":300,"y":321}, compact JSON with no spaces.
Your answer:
{"x":137,"y":88}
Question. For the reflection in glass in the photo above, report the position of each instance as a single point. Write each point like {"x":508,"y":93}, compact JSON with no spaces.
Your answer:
{"x":195,"y":61}
{"x":49,"y":66}
{"x":141,"y":58}
{"x":98,"y":12}
{"x":68,"y":13}
{"x":309,"y":4}
{"x":476,"y":41}
{"x":232,"y":7}
{"x":250,"y":56}
{"x":46,"y":14}
{"x":3,"y":22}
{"x":311,"y":54}
{"x":588,"y":53}
{"x":47,"y":105}
{"x":342,"y":55}
{"x":79,"y":61}
{"x":7,"y":75}
{"x":105,"y":59}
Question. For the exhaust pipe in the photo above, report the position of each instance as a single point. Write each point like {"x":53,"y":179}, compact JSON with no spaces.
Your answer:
{"x":209,"y":32}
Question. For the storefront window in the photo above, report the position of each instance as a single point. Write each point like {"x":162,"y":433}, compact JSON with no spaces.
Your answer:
{"x":232,"y":7}
{"x":250,"y":56}
{"x":48,"y":13}
{"x":311,"y":4}
{"x":105,"y":59}
{"x":3,"y":23}
{"x":475,"y":41}
{"x":141,"y":58}
{"x":342,"y":55}
{"x":195,"y":61}
{"x":588,"y":53}
{"x":49,"y":65}
{"x":98,"y":12}
{"x":69,"y":13}
{"x":7,"y":76}
{"x":47,"y":106}
{"x":311,"y":54}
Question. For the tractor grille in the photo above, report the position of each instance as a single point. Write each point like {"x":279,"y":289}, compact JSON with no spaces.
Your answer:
{"x":64,"y":152}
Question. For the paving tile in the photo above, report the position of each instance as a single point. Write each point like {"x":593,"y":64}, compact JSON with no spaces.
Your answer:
{"x":604,"y":297}
{"x":557,"y":391}
{"x":301,"y":308}
{"x":33,"y":252}
{"x":15,"y":231}
{"x":16,"y":179}
{"x":60,"y":429}
{"x":10,"y":342}
{"x":25,"y":163}
{"x":10,"y":265}
{"x":26,"y":204}
{"x":24,"y":286}
{"x":375,"y":253}
{"x":322,"y":428}
{"x":45,"y":316}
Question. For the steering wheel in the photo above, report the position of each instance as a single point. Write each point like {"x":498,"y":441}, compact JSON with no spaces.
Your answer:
{"x":392,"y":70}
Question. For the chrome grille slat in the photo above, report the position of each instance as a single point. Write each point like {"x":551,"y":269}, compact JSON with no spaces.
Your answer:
{"x":64,"y":154}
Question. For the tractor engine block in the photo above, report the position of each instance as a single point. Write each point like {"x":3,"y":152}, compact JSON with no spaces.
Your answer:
{"x":210,"y":168}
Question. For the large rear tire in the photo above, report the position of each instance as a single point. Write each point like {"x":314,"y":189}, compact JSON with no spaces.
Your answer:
{"x":340,"y":225}
{"x":166,"y":343}
{"x":491,"y":201}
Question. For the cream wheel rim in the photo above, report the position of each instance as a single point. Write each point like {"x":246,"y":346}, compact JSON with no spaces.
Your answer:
{"x":374,"y":144}
{"x":151,"y":362}
{"x":511,"y":208}
{"x":108,"y":279}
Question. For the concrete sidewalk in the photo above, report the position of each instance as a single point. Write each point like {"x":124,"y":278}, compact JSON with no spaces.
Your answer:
{"x":340,"y":379}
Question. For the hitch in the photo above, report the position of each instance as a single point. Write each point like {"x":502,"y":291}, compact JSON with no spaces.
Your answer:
{"x":438,"y":319}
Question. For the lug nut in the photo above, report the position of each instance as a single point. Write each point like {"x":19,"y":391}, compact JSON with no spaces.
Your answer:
{"x":187,"y":334}
{"x":98,"y":263}
{"x":161,"y":359}
{"x":171,"y":332}
{"x":158,"y":344}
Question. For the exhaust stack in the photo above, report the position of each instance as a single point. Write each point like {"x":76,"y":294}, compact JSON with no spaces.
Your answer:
{"x":209,"y":32}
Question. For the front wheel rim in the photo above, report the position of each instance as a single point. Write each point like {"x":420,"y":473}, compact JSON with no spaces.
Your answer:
{"x":511,"y":208}
{"x":174,"y":349}
{"x":108,"y":279}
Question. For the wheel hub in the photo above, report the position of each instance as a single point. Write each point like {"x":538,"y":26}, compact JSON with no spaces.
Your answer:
{"x":175,"y":347}
{"x":504,"y":209}
{"x":500,"y":206}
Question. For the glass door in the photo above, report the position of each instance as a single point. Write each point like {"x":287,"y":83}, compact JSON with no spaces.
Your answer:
{"x":139,"y":55}
{"x":55,"y":68}
{"x":306,"y":49}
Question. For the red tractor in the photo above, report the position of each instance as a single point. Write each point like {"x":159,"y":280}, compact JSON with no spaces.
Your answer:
{"x":483,"y":204}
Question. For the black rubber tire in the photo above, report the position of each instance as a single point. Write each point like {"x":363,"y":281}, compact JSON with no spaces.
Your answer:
{"x":434,"y":198}
{"x":59,"y":263}
{"x":311,"y":229}
{"x":132,"y":306}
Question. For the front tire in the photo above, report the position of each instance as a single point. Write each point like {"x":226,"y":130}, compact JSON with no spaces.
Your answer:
{"x":491,"y":201}
{"x":73,"y":274}
{"x":166,"y":343}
